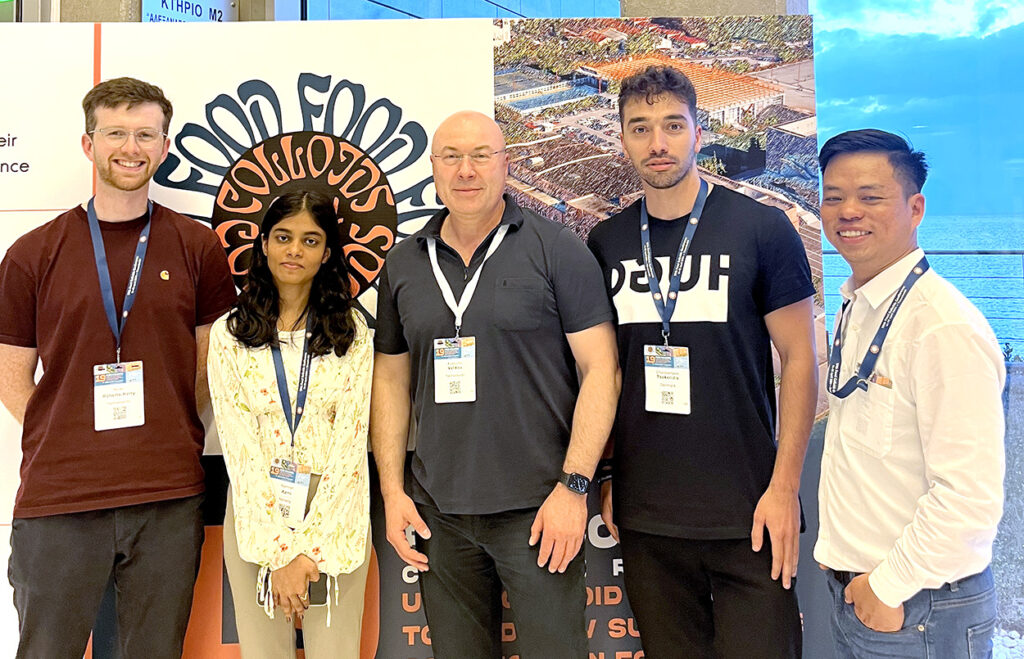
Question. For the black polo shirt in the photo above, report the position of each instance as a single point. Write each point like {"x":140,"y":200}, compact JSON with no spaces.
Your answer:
{"x":504,"y":451}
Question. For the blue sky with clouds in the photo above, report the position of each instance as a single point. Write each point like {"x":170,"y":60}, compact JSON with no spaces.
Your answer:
{"x":948,"y":75}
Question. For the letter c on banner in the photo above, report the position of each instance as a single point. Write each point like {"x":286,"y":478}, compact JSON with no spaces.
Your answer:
{"x":410,"y":574}
{"x":605,"y":541}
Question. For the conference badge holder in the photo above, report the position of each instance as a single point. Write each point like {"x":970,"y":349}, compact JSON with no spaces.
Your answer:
{"x":291,"y":488}
{"x":667,"y":367}
{"x":455,"y":357}
{"x":455,"y":370}
{"x":667,"y":379}
{"x":117,"y":389}
{"x":118,"y":397}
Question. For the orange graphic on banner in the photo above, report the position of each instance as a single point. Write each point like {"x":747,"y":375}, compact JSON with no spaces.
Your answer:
{"x":204,"y":636}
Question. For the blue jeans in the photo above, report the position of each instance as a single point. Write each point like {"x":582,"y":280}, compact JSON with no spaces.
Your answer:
{"x":955,"y":621}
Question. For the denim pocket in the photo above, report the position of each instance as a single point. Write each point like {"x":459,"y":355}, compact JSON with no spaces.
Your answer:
{"x":979,"y":640}
{"x":906,"y":643}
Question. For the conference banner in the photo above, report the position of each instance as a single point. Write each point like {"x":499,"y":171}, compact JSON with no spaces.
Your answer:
{"x":348,"y":108}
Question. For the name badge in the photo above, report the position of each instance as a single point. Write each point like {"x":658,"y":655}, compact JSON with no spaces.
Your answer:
{"x":667,"y":379}
{"x":117,"y":395}
{"x":291,"y":487}
{"x":455,"y":370}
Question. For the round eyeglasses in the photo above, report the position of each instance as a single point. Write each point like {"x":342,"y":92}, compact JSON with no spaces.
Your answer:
{"x":116,"y":137}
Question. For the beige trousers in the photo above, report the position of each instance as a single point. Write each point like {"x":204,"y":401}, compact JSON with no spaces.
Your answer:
{"x":263,"y":638}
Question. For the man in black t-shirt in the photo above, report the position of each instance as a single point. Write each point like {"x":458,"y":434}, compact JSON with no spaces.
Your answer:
{"x":484,"y":316}
{"x":698,"y":476}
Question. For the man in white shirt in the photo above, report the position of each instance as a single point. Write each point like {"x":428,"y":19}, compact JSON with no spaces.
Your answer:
{"x":912,"y":473}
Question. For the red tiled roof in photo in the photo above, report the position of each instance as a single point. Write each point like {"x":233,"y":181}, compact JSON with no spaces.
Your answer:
{"x":716,"y":89}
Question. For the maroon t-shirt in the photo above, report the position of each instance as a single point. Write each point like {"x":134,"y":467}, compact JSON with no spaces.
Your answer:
{"x":50,"y":296}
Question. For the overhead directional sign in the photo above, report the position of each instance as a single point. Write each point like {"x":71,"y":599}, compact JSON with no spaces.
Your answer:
{"x":189,"y":11}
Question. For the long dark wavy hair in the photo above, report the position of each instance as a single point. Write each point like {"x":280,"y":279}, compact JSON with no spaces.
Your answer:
{"x":253,"y":319}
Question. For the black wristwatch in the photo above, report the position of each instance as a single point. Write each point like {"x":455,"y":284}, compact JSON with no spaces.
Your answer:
{"x":575,"y":482}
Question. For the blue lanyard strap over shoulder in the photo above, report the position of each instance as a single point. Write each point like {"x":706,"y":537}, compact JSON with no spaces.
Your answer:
{"x":102,"y":269}
{"x":665,"y":308}
{"x":867,"y":365}
{"x":282,"y":383}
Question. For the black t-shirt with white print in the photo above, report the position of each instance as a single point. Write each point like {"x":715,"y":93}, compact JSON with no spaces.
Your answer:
{"x":700,"y":475}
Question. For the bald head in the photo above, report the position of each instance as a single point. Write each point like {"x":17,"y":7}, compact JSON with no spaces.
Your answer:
{"x":469,"y":163}
{"x":467,"y":126}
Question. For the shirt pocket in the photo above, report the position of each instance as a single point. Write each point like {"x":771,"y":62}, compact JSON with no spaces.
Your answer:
{"x":873,"y":420}
{"x":518,"y":303}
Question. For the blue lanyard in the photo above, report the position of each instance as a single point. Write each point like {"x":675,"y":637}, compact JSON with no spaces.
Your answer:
{"x":282,"y":384}
{"x":867,"y":366}
{"x":664,"y":308}
{"x":106,"y":290}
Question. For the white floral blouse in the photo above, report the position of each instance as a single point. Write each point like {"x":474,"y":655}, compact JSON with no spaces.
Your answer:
{"x":331,"y":439}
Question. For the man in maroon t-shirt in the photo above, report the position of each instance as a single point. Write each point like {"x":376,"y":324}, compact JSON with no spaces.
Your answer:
{"x":115,"y":298}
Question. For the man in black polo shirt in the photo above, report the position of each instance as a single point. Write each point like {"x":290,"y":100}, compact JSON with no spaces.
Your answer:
{"x":485,"y":315}
{"x":699,"y":289}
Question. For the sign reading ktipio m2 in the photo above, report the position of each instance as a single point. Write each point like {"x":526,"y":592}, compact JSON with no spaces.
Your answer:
{"x":188,"y":11}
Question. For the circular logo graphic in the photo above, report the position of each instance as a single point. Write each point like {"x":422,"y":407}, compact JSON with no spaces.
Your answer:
{"x":309,"y":160}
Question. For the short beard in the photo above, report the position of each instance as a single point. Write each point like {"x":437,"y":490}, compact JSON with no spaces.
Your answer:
{"x":108,"y":177}
{"x":669,"y":179}
{"x":665,"y":180}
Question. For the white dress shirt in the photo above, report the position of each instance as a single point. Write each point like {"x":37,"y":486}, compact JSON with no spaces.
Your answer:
{"x":912,"y":471}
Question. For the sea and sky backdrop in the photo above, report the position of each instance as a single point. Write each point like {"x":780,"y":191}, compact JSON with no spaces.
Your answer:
{"x":948,"y":76}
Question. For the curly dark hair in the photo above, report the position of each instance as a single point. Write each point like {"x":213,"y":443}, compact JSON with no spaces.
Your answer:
{"x":654,"y":81}
{"x":253,"y":319}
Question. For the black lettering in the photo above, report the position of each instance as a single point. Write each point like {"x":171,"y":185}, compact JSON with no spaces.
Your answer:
{"x":634,"y":280}
{"x":309,"y":109}
{"x":195,"y":131}
{"x":394,"y":118}
{"x":418,"y":143}
{"x":694,"y":273}
{"x":253,"y":88}
{"x":192,"y":182}
{"x":231,"y":106}
{"x":358,"y":94}
{"x":616,"y":278}
{"x":716,"y":272}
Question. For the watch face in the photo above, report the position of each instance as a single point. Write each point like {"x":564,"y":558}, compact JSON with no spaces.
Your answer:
{"x":577,"y":483}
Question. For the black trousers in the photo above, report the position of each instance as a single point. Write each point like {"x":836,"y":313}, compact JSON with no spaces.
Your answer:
{"x":60,"y":566}
{"x":471,"y":558}
{"x":708,"y":599}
